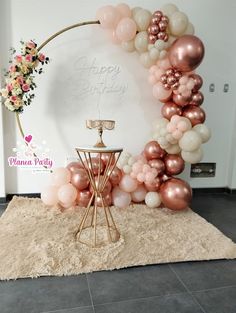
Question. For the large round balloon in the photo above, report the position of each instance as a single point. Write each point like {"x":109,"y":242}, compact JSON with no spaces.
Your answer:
{"x":176,"y":194}
{"x":186,"y":53}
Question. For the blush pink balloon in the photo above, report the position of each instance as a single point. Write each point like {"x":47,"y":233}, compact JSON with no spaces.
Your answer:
{"x":80,"y":179}
{"x":49,"y":195}
{"x":152,"y":150}
{"x":73,"y":166}
{"x":115,"y":176}
{"x":195,"y":114}
{"x":128,"y":184}
{"x":176,"y":194}
{"x":139,"y":194}
{"x":120,"y":198}
{"x":154,"y":185}
{"x":174,"y":164}
{"x":114,"y":39}
{"x":107,"y":200}
{"x":108,"y":16}
{"x":197,"y":99}
{"x":124,"y":10}
{"x":169,"y":109}
{"x":126,"y":29}
{"x":67,"y":193}
{"x":181,"y":100}
{"x":186,"y":53}
{"x":60,"y":176}
{"x":83,"y":197}
{"x":197,"y":82}
{"x":160,"y":93}
{"x":158,"y":164}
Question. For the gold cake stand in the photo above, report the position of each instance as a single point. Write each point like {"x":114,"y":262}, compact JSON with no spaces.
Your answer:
{"x":91,"y":231}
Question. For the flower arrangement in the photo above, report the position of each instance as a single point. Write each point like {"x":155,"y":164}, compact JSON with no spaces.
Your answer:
{"x":18,"y":91}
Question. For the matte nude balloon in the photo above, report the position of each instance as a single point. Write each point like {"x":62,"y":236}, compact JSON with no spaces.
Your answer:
{"x":195,"y":114}
{"x":174,"y":164}
{"x":169,"y":109}
{"x":186,"y":53}
{"x":83,"y":197}
{"x":152,"y":150}
{"x":79,"y":179}
{"x":176,"y":194}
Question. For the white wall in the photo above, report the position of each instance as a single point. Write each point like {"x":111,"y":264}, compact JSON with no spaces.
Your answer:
{"x":58,"y":113}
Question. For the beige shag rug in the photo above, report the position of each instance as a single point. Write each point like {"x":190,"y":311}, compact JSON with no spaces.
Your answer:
{"x":38,"y":241}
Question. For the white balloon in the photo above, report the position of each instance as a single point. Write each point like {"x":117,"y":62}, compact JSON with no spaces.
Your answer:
{"x":139,"y":194}
{"x":127,"y":169}
{"x":193,"y":156}
{"x":203,"y":131}
{"x":141,"y":41}
{"x":190,"y":141}
{"x":190,"y":29}
{"x":163,"y":53}
{"x":160,"y":44}
{"x":128,"y":46}
{"x":169,"y":9}
{"x":153,"y":199}
{"x":178,"y":23}
{"x":135,"y":10}
{"x":173,"y":149}
{"x":154,"y":54}
{"x":142,"y":18}
{"x":146,"y":60}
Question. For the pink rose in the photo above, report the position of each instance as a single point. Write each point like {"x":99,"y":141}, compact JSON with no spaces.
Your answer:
{"x":25,"y":87}
{"x":41,"y":57}
{"x":18,"y":58}
{"x":9,"y":87}
{"x":13,"y":98}
{"x":20,"y":80}
{"x":12,"y":68}
{"x":28,"y":58}
{"x":30,"y":45}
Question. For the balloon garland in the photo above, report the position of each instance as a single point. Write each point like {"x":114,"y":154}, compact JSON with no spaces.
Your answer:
{"x":169,"y":50}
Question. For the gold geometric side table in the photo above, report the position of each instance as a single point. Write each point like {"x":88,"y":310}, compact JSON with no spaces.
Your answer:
{"x":92,"y":232}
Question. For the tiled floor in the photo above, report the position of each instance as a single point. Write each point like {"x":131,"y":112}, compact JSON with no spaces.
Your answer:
{"x":193,"y":287}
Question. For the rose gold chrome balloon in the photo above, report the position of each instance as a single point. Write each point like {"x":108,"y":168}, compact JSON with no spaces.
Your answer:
{"x":197,"y":82}
{"x":195,"y":114}
{"x":74,"y":166}
{"x":176,"y":194}
{"x":197,"y":99}
{"x":115,"y":176}
{"x":174,"y":164}
{"x":80,"y":179}
{"x":152,"y":150}
{"x":107,"y":200}
{"x":154,"y":185}
{"x":181,"y":100}
{"x":83,"y":197}
{"x":169,"y":109}
{"x":158,"y":164}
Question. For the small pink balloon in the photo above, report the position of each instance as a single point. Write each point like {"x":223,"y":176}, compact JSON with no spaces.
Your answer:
{"x":128,"y":184}
{"x":67,"y":193}
{"x":106,"y":201}
{"x":154,"y":185}
{"x":169,"y":109}
{"x":124,"y":10}
{"x":108,"y":16}
{"x":149,"y":177}
{"x":195,"y":114}
{"x":73,"y":166}
{"x":126,"y":29}
{"x":83,"y":198}
{"x":60,"y":176}
{"x":174,"y":164}
{"x":197,"y":99}
{"x":158,"y":164}
{"x":115,"y":176}
{"x":153,"y":150}
{"x":49,"y":195}
{"x":80,"y":179}
{"x":121,"y":199}
{"x":152,"y":79}
{"x":160,"y":93}
{"x":139,"y":194}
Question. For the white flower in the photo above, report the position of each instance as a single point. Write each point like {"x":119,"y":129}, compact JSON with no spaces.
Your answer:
{"x":9,"y":105}
{"x":4,"y":93}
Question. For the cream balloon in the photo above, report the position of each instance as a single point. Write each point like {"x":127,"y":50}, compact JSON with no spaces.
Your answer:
{"x":135,"y":11}
{"x":139,"y":194}
{"x":203,"y":131}
{"x":141,"y":41}
{"x":173,"y":149}
{"x":190,"y":141}
{"x":190,"y":29}
{"x":128,"y":46}
{"x":193,"y":156}
{"x":169,"y":9}
{"x":142,"y":18}
{"x":153,"y":199}
{"x":146,"y":60}
{"x":154,"y":54}
{"x":178,"y":23}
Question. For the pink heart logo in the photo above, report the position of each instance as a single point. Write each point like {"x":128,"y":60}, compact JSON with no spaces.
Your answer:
{"x":28,"y":138}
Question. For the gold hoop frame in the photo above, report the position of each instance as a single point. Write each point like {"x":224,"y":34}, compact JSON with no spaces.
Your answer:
{"x":19,"y":124}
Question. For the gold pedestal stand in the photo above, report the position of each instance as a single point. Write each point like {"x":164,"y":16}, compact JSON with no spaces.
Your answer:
{"x":98,"y":228}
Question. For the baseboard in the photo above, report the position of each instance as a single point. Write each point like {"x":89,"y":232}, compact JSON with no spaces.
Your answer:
{"x":196,"y":191}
